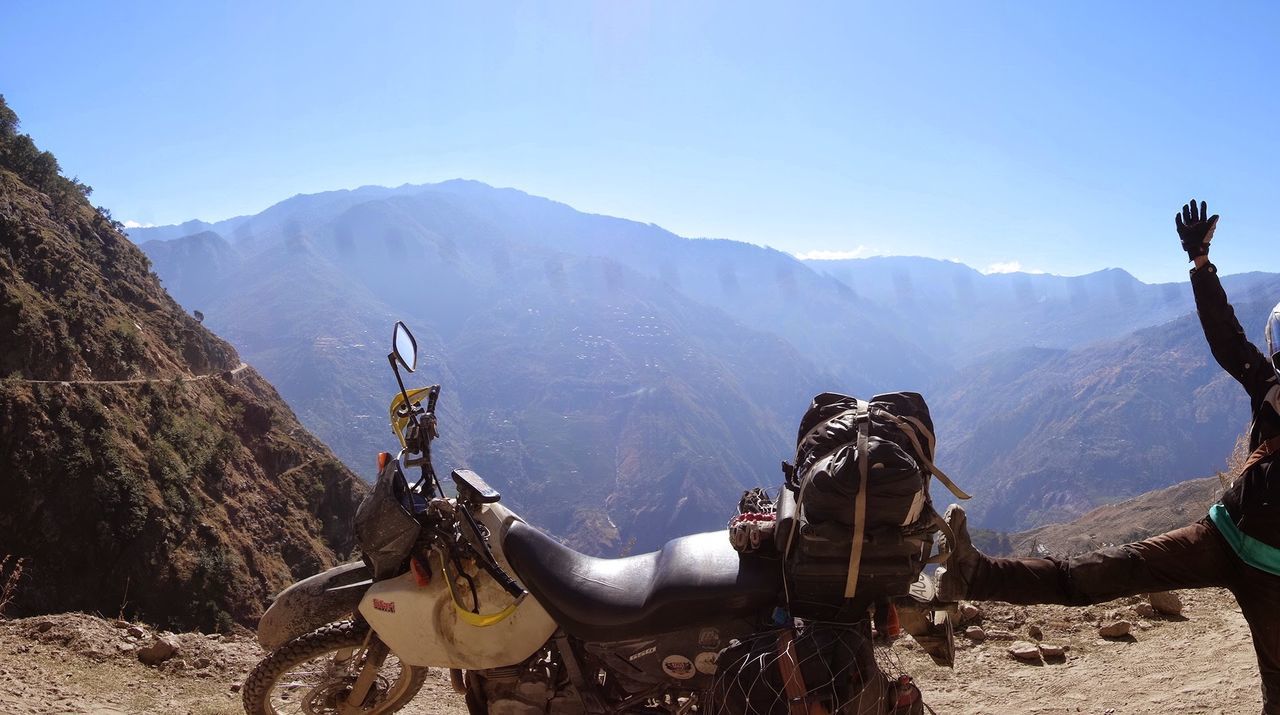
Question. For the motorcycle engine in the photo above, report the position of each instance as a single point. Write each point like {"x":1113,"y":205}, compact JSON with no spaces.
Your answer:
{"x":525,"y":689}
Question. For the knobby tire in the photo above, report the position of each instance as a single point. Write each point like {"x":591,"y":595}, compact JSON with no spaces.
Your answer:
{"x":326,"y":639}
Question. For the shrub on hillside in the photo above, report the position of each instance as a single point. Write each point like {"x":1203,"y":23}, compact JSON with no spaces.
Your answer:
{"x":19,"y":154}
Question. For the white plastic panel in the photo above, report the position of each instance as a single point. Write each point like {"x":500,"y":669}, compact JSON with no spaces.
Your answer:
{"x":422,"y":627}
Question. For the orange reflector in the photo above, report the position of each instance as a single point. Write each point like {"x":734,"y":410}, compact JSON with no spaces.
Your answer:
{"x":420,"y":574}
{"x":894,"y":627}
{"x":383,"y":458}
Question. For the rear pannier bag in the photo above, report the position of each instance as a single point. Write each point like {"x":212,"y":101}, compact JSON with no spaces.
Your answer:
{"x":860,"y":524}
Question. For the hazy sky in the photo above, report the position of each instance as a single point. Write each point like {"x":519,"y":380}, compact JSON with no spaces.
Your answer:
{"x":1058,"y":136}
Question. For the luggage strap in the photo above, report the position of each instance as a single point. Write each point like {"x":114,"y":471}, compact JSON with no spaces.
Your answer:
{"x":944,"y":552}
{"x":863,"y":418}
{"x":798,"y":702}
{"x":910,"y":426}
{"x":1264,"y":450}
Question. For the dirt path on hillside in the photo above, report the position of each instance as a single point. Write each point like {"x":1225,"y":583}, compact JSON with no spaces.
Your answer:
{"x":142,"y":380}
{"x":1201,"y":663}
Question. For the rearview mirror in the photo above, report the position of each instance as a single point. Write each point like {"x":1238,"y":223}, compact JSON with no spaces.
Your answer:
{"x":404,"y":347}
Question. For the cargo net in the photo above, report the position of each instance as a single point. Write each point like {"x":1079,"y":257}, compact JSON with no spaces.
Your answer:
{"x":814,"y":669}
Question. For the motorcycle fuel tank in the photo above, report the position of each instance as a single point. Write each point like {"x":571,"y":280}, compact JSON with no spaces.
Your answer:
{"x":431,"y":624}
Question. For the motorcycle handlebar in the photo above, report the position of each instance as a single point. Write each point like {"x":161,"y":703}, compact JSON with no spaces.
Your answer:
{"x":485,"y":555}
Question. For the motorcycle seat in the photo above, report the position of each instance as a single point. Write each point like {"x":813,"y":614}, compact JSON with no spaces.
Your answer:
{"x":692,"y":581}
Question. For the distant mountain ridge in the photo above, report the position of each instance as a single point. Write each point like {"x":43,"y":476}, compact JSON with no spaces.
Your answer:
{"x":1026,"y":309}
{"x":564,"y":374}
{"x":1049,"y":392}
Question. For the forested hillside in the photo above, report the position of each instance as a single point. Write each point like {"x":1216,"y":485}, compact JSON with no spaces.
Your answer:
{"x":146,"y":471}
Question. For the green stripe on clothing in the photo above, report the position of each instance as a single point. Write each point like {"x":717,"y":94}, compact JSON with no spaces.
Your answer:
{"x":1257,"y":554}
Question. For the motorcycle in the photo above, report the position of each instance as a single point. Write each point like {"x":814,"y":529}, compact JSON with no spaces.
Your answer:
{"x":527,"y":625}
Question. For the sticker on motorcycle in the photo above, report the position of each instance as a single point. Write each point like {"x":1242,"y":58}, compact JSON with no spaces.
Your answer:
{"x":706,"y":662}
{"x":678,"y":667}
{"x":381,"y":605}
{"x":709,"y":638}
{"x":647,"y":651}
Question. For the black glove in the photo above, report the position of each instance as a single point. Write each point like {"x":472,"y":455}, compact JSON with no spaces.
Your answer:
{"x":1195,"y":228}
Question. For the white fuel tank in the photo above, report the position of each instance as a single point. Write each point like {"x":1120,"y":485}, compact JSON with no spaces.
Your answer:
{"x":423,"y":626}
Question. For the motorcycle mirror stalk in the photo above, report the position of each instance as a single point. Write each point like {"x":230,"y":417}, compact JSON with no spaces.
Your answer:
{"x":404,"y":353}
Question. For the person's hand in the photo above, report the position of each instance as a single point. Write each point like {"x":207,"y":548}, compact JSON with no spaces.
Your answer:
{"x":1195,"y":228}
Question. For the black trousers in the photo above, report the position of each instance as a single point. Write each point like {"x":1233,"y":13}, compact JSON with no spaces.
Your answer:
{"x":1194,"y":556}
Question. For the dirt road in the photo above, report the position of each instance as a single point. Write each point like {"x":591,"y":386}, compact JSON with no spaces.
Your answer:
{"x":1201,"y":663}
{"x":142,"y":380}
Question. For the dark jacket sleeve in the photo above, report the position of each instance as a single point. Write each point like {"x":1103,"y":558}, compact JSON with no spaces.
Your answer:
{"x":1233,"y":351}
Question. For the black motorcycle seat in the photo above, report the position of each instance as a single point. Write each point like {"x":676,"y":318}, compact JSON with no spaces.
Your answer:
{"x":693,"y":580}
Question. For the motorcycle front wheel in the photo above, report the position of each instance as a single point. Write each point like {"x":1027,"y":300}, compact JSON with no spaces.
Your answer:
{"x":314,"y":674}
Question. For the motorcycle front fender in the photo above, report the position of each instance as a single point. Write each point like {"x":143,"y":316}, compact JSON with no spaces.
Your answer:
{"x":312,"y":602}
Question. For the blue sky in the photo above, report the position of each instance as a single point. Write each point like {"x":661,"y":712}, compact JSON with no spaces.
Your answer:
{"x":1059,"y":137}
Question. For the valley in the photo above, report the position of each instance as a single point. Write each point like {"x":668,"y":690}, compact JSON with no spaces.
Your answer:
{"x":650,"y":378}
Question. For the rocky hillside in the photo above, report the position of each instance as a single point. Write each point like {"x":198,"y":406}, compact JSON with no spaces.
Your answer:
{"x":146,"y":472}
{"x":1131,"y":520}
{"x":1046,"y":435}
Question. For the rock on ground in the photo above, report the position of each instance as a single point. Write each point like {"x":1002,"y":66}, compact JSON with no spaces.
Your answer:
{"x":1115,"y":629}
{"x":161,"y":649}
{"x":1024,"y":650}
{"x":1203,"y":665}
{"x":1166,"y":602}
{"x":1050,"y":650}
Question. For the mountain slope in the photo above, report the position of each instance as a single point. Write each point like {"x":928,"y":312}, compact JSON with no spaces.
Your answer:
{"x":609,"y":407}
{"x":145,"y":470}
{"x":968,"y":314}
{"x":1048,"y":396}
{"x":1045,"y":435}
{"x":1131,"y":520}
{"x":200,"y":263}
{"x":943,"y":299}
{"x":852,"y":338}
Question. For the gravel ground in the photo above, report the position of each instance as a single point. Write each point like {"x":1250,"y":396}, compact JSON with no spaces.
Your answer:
{"x":1198,"y":662}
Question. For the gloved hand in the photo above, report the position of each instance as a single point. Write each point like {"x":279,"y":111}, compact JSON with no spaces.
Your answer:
{"x":1195,"y":228}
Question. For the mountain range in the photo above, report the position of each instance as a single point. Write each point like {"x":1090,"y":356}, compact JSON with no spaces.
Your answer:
{"x":624,"y":384}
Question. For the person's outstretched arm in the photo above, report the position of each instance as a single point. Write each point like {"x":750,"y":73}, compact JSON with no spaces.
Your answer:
{"x":1231,"y":348}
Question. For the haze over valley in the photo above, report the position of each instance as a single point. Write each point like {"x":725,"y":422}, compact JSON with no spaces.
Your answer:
{"x":625,"y":384}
